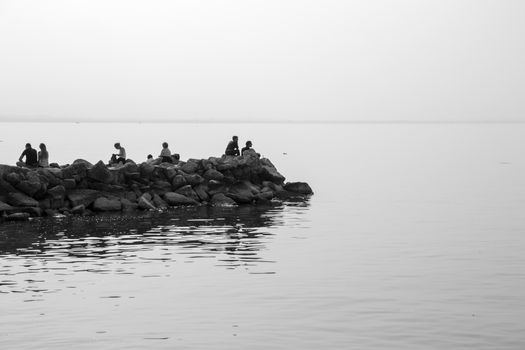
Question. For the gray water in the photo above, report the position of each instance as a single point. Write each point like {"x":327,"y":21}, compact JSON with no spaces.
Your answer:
{"x":414,"y":239}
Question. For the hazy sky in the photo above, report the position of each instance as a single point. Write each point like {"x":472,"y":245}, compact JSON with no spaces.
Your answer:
{"x":267,"y":60}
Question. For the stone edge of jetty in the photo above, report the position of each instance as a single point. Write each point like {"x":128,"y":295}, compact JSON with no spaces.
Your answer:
{"x":82,"y":188}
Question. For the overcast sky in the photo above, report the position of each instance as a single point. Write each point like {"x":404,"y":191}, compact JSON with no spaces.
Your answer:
{"x":297,"y":60}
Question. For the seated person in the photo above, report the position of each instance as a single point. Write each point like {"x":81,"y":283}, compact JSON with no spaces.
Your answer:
{"x":43,"y":156}
{"x":31,"y":157}
{"x":175,"y":158}
{"x":150,"y":159}
{"x":248,"y":146}
{"x":165,"y":154}
{"x":121,"y":156}
{"x":233,"y":147}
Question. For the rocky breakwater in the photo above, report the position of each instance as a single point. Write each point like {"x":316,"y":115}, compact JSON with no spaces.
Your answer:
{"x":83,"y":188}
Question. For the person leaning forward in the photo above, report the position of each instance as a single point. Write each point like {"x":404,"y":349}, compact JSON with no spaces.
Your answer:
{"x":31,"y":157}
{"x":233,"y":147}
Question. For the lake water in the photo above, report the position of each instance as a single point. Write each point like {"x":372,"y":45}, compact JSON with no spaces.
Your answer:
{"x":414,"y":239}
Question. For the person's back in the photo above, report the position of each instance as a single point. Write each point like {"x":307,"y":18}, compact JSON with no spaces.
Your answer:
{"x":165,"y":154}
{"x":43,"y":156}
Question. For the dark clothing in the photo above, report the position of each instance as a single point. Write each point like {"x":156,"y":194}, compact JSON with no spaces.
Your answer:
{"x":31,"y":157}
{"x":167,"y":159}
{"x":120,"y":159}
{"x":232,"y":149}
{"x":244,"y":149}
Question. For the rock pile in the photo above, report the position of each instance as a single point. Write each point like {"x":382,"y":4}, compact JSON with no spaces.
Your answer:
{"x":83,"y":188}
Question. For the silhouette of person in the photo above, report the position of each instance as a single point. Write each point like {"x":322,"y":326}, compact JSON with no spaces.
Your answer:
{"x":165,"y":154}
{"x":248,"y":146}
{"x":121,"y":156}
{"x":43,"y":156}
{"x":233,"y":147}
{"x":31,"y":157}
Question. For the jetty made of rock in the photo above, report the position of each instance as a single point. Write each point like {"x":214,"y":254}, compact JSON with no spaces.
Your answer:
{"x":83,"y":188}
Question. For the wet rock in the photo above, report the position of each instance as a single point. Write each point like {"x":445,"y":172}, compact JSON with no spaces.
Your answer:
{"x":82,"y":196}
{"x":18,"y":199}
{"x":18,"y":217}
{"x":159,"y":202}
{"x":100,"y":172}
{"x":174,"y":199}
{"x":5,"y":207}
{"x":298,"y":187}
{"x":145,"y":204}
{"x":188,"y":192}
{"x":78,"y":210}
{"x":219,"y":199}
{"x":128,"y":205}
{"x":242,"y":192}
{"x":106,"y":204}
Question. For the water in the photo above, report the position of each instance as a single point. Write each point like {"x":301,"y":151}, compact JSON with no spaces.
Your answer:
{"x":414,"y":239}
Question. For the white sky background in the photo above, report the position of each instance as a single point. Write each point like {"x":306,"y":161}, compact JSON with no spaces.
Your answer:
{"x":298,"y":60}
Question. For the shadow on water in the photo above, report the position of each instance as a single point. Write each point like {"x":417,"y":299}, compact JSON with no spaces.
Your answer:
{"x":231,"y":237}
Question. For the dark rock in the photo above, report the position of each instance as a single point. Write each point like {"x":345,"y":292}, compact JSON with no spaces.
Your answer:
{"x":194,"y":179}
{"x":298,"y":187}
{"x":128,"y":205}
{"x":18,"y":217}
{"x":131,"y":196}
{"x":78,"y":169}
{"x":100,"y":172}
{"x":82,"y":196}
{"x":6,"y":187}
{"x":146,"y":170}
{"x":159,"y":202}
{"x":32,"y":211}
{"x":269,"y":172}
{"x":174,"y":199}
{"x":170,"y":173}
{"x":57,"y":192}
{"x":5,"y":207}
{"x":44,"y":203}
{"x":78,"y":210}
{"x":190,"y":167}
{"x":178,"y":181}
{"x":161,"y":187}
{"x":18,"y":199}
{"x":106,"y":204}
{"x":145,"y":204}
{"x":212,"y":174}
{"x":70,"y":184}
{"x":201,"y":191}
{"x":219,"y":199}
{"x":242,"y":192}
{"x":29,"y":187}
{"x":84,"y":162}
{"x":13,"y":178}
{"x":188,"y":192}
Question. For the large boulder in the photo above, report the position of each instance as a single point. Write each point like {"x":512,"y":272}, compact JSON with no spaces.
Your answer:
{"x":146,"y":170}
{"x":202,"y":192}
{"x":106,"y":204}
{"x":242,"y":192}
{"x":161,"y":186}
{"x":174,"y":199}
{"x":190,"y":167}
{"x":188,"y":192}
{"x":18,"y":199}
{"x":298,"y":187}
{"x":99,"y":172}
{"x":193,"y":179}
{"x":79,"y":169}
{"x":178,"y":181}
{"x":5,"y":207}
{"x":145,"y":203}
{"x":29,"y":187}
{"x":159,"y":202}
{"x":269,"y":172}
{"x":219,"y":199}
{"x":6,"y":187}
{"x":212,"y":174}
{"x":82,"y":196}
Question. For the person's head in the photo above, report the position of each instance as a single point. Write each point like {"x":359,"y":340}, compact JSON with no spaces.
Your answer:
{"x":42,"y":147}
{"x":164,"y":145}
{"x":117,"y":145}
{"x":235,"y":138}
{"x":248,"y":144}
{"x":150,"y":156}
{"x":28,"y":146}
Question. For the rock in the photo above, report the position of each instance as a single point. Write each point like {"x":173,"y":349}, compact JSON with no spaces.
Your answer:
{"x":170,"y":173}
{"x":70,"y":184}
{"x":219,"y":199}
{"x":29,"y":187}
{"x":212,"y":174}
{"x":193,"y":179}
{"x":13,"y":178}
{"x":82,"y":161}
{"x":78,"y":210}
{"x":100,"y":172}
{"x":298,"y":187}
{"x":32,"y":211}
{"x":128,"y":205}
{"x":18,"y":199}
{"x":77,"y":169}
{"x":242,"y":192}
{"x":106,"y":204}
{"x":18,"y":217}
{"x":6,"y":187}
{"x":82,"y":196}
{"x":174,"y":199}
{"x":57,"y":192}
{"x":190,"y":167}
{"x":161,"y":186}
{"x":178,"y":181}
{"x":188,"y":192}
{"x":269,"y":172}
{"x":5,"y":207}
{"x":44,"y":203}
{"x":146,"y":170}
{"x":159,"y":202}
{"x":202,"y":193}
{"x":131,"y":196}
{"x":145,"y":204}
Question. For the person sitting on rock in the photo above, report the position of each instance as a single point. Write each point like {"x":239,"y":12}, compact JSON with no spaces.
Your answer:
{"x":43,"y":156}
{"x":233,"y":147}
{"x":121,"y":156}
{"x":165,"y":154}
{"x":248,"y":146}
{"x":175,"y":157}
{"x":150,"y":159}
{"x":249,"y":150}
{"x":31,"y":157}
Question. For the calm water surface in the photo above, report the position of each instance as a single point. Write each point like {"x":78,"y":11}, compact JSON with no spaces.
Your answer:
{"x":414,"y":239}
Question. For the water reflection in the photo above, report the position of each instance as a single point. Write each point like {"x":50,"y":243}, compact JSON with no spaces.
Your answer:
{"x":231,"y":238}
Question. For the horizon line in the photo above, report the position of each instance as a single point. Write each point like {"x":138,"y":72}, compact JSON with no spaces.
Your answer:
{"x":259,"y":121}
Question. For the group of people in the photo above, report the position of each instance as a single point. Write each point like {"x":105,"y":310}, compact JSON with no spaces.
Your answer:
{"x":34,"y":159}
{"x":41,"y":159}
